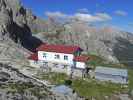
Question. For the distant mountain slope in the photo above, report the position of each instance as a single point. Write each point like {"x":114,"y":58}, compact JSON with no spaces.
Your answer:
{"x":110,"y":43}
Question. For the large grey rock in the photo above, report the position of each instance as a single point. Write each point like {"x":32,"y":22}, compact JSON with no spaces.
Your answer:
{"x":13,"y":24}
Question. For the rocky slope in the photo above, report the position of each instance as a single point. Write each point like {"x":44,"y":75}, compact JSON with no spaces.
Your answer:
{"x":16,"y":86}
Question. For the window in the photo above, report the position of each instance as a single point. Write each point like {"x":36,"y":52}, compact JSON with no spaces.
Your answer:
{"x":65,"y":57}
{"x":44,"y":55}
{"x":57,"y":56}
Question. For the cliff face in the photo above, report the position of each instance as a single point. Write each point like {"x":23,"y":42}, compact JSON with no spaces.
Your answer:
{"x":14,"y":24}
{"x":16,"y":40}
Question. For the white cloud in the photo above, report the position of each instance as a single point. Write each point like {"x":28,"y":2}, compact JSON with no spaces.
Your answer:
{"x":130,"y":24}
{"x":104,"y":16}
{"x":83,"y":10}
{"x":120,"y":13}
{"x":55,"y":14}
{"x":99,"y":17}
{"x":86,"y":17}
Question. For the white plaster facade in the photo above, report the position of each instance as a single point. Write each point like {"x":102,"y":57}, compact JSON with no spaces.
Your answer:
{"x":51,"y":57}
{"x":81,"y":65}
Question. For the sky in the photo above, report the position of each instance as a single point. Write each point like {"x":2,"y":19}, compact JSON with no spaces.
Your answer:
{"x":115,"y":13}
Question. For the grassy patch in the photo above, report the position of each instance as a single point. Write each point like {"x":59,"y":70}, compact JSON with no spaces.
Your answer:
{"x":94,"y":89}
{"x":100,"y":61}
{"x":130,"y":76}
{"x":87,"y":88}
{"x":53,"y":78}
{"x":95,"y":60}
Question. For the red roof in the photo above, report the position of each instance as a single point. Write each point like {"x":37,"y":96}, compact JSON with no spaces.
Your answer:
{"x":33,"y":57}
{"x":58,"y":48}
{"x":81,"y":58}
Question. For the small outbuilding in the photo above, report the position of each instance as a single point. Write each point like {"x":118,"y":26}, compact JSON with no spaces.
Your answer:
{"x":114,"y":75}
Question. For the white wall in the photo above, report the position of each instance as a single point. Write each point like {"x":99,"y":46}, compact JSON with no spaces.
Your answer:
{"x":50,"y":57}
{"x":80,"y":65}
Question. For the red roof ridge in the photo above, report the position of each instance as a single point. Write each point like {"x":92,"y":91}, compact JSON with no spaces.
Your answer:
{"x":60,"y":48}
{"x":82,"y":58}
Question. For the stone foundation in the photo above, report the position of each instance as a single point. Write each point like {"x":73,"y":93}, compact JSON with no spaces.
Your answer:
{"x":59,"y":68}
{"x":78,"y":72}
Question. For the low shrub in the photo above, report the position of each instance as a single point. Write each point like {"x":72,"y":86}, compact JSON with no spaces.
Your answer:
{"x":68,"y":82}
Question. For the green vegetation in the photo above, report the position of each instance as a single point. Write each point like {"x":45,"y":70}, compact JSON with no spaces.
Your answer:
{"x":92,"y":88}
{"x":21,"y":88}
{"x":87,"y":88}
{"x":68,"y":82}
{"x":96,"y":60}
{"x":53,"y":78}
{"x":18,"y":7}
{"x":38,"y":92}
{"x":130,"y":76}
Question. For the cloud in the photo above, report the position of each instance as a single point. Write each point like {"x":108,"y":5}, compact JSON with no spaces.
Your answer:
{"x":130,"y":24}
{"x":98,"y":17}
{"x":86,"y":17}
{"x":104,"y":16}
{"x":55,"y":14}
{"x":83,"y":10}
{"x":120,"y":13}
